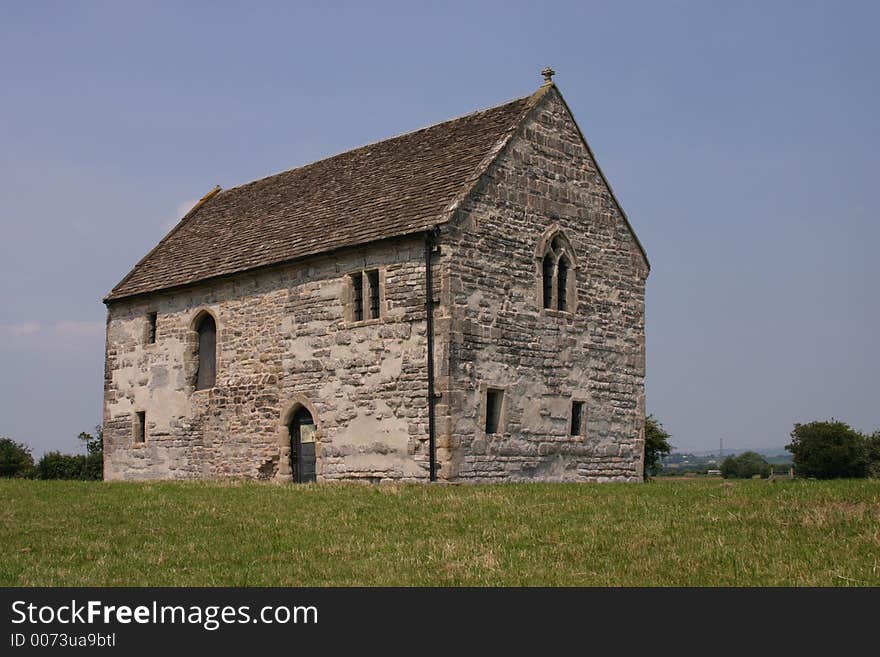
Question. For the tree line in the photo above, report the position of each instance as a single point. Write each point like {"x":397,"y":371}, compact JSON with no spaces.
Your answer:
{"x":821,"y":450}
{"x":16,"y":460}
{"x":825,"y":449}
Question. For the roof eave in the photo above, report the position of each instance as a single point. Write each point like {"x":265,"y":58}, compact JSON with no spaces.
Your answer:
{"x":111,"y":298}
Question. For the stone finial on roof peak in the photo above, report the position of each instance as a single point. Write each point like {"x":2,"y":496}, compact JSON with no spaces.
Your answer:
{"x":548,"y":74}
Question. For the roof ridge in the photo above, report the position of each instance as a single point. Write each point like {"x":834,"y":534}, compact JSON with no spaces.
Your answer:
{"x":379,"y":141}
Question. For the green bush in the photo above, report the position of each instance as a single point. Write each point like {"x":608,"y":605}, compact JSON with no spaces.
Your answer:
{"x":829,"y":450}
{"x":872,"y":447}
{"x":656,"y":444}
{"x":15,"y":459}
{"x":94,"y":444}
{"x":745,"y":466}
{"x":55,"y":465}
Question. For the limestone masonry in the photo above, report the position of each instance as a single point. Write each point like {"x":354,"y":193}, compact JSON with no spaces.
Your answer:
{"x":281,"y":330}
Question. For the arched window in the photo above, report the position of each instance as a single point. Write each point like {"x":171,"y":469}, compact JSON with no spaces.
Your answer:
{"x":206,"y":374}
{"x":557,"y":285}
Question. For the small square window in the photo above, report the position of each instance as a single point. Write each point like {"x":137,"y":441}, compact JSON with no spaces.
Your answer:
{"x":577,"y":418}
{"x":151,"y":328}
{"x":140,"y":427}
{"x":366,"y":296}
{"x":494,"y":399}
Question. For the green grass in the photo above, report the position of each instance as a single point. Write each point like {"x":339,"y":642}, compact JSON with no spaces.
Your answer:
{"x":698,"y":532}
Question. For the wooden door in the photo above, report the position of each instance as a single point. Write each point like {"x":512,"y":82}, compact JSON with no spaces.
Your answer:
{"x":302,"y":447}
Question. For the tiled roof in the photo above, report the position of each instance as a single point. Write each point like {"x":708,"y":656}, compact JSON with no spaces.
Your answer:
{"x":399,"y":186}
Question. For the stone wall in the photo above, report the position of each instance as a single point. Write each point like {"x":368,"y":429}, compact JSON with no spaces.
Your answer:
{"x":283,"y":339}
{"x":500,"y":335}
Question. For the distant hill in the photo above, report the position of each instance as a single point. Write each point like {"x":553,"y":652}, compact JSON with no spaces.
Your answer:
{"x":763,"y":451}
{"x":684,"y":461}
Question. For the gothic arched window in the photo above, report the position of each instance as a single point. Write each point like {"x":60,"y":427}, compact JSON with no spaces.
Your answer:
{"x":557,"y":285}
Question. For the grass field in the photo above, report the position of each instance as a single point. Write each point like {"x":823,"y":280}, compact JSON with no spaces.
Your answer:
{"x":691,"y":532}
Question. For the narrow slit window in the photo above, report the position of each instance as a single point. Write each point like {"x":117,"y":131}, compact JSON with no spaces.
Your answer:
{"x":562,"y":285}
{"x":373,"y":281}
{"x":494,"y":397}
{"x":577,"y":418}
{"x":151,"y":328}
{"x":140,"y":427}
{"x":357,"y":296}
{"x":548,"y":280}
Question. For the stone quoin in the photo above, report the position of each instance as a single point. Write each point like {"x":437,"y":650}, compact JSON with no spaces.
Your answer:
{"x":282,"y":329}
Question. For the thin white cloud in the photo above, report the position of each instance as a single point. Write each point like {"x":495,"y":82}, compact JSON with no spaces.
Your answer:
{"x":82,"y":227}
{"x":185,"y":207}
{"x":22,"y":329}
{"x":63,"y":335}
{"x":74,"y":328}
{"x":182,"y":209}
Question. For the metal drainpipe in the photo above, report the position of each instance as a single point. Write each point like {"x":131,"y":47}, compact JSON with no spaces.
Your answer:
{"x":430,"y":241}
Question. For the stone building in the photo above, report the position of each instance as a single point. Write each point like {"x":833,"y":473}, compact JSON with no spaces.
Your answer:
{"x":284,"y":329}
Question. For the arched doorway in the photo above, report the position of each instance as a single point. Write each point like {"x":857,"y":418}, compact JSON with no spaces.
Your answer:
{"x":302,"y":446}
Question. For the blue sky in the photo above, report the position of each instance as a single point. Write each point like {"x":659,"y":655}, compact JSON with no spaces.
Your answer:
{"x":741,"y":139}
